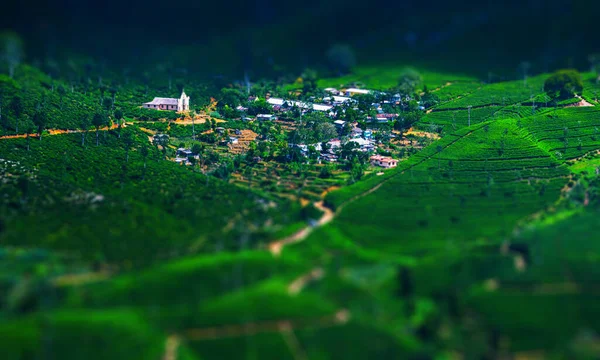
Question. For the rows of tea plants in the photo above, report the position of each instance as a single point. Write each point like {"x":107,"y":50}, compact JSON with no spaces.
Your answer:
{"x":566,"y":133}
{"x":147,"y":207}
{"x":453,"y":90}
{"x":502,"y":94}
{"x":451,"y":120}
{"x":452,"y":186}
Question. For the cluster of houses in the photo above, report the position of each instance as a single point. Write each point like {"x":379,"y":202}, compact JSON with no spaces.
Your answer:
{"x":362,"y":138}
{"x":330,"y":105}
{"x":184,"y":155}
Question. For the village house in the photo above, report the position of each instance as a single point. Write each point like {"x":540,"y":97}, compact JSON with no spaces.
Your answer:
{"x":364,"y":144}
{"x":184,"y":153}
{"x":334,"y":144}
{"x":357,"y":132}
{"x":333,"y":91}
{"x":355,"y":91}
{"x":321,"y":107}
{"x":265,"y":117}
{"x":179,"y":105}
{"x":383,"y":161}
{"x":339,"y":123}
{"x":336,"y":100}
{"x":383,"y":118}
{"x":160,"y":139}
{"x":276,"y":101}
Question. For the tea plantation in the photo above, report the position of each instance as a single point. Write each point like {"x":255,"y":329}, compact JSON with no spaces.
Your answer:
{"x":481,"y":245}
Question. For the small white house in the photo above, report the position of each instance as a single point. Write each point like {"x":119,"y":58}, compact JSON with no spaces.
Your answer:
{"x":339,"y":123}
{"x":355,"y":91}
{"x":321,"y":107}
{"x":275,"y":101}
{"x":266,"y":117}
{"x":383,"y":161}
{"x":233,"y":140}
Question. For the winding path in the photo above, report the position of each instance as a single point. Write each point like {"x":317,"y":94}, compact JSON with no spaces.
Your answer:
{"x":277,"y":246}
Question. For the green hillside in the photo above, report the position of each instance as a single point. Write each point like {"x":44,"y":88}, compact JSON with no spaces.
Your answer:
{"x":133,"y":233}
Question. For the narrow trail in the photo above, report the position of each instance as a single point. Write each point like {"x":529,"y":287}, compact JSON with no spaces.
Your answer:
{"x":58,"y":132}
{"x":298,"y":285}
{"x":277,"y":246}
{"x":171,"y":347}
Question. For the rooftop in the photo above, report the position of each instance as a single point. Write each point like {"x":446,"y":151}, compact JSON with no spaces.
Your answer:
{"x":162,"y":101}
{"x":275,"y":101}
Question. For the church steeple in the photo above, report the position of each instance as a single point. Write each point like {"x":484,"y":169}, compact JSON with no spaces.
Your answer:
{"x":183,"y":104}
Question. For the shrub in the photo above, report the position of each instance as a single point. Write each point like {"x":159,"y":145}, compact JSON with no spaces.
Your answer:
{"x":563,"y":84}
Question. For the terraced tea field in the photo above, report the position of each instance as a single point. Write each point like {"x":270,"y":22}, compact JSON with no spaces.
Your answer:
{"x":502,"y":94}
{"x":479,"y":182}
{"x":566,"y":133}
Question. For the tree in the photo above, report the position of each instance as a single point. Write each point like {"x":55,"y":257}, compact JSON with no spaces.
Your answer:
{"x":84,"y":125}
{"x":408,"y":81}
{"x":61,"y":94}
{"x":98,"y":121}
{"x":119,"y":117}
{"x":16,"y":106}
{"x":563,"y":84}
{"x":127,"y":141}
{"x":113,"y":93}
{"x":406,"y":120}
{"x":144,"y":151}
{"x":365,"y":101}
{"x":29,"y":128}
{"x":249,"y":173}
{"x":197,"y":148}
{"x":193,"y":115}
{"x":40,"y":119}
{"x":341,"y":58}
{"x":11,"y":51}
{"x":231,"y":98}
{"x":260,"y":106}
{"x":351,"y":115}
{"x":324,"y":131}
{"x":309,"y":81}
{"x":524,"y":67}
{"x":594,"y":60}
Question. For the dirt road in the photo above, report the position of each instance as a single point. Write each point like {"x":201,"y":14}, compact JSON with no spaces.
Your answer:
{"x":277,"y":246}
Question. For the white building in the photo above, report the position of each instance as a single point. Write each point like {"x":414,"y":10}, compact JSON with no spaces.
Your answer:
{"x":339,"y":123}
{"x":275,"y":101}
{"x":321,"y":107}
{"x":355,"y":91}
{"x":179,"y":105}
{"x":265,"y":117}
{"x":383,"y":161}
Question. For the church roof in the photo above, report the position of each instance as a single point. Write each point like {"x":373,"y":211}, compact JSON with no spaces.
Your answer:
{"x":162,"y":101}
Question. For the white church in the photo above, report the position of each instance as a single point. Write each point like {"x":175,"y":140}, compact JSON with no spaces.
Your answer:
{"x":180,"y":105}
